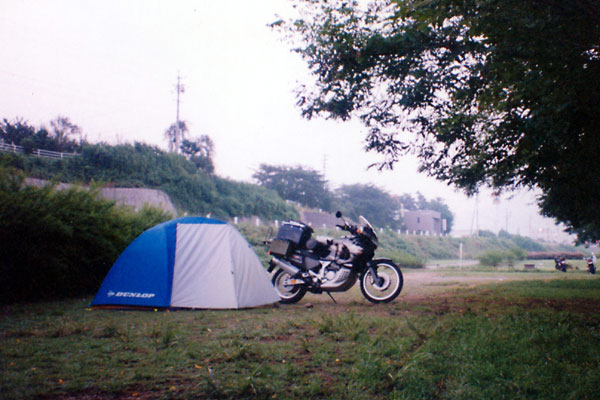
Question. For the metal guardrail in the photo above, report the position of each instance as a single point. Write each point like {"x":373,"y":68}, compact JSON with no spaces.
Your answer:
{"x":53,"y":154}
{"x":12,"y":148}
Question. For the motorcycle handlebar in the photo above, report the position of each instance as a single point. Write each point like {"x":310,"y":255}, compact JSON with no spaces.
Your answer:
{"x":349,"y":228}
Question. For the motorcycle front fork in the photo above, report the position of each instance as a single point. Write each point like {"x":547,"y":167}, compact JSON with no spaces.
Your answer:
{"x":376,"y":279}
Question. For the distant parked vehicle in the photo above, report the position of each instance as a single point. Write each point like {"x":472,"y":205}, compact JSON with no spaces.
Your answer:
{"x":591,"y":268}
{"x":560,"y":264}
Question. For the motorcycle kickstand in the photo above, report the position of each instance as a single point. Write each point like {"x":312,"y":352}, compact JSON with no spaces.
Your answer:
{"x":329,"y":293}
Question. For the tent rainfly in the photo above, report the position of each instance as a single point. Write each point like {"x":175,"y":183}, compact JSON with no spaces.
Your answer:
{"x":189,"y":262}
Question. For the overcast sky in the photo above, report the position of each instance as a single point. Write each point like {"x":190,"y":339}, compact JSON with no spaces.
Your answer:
{"x":111,"y":66}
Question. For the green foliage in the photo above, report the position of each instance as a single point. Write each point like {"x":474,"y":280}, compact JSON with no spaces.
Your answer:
{"x":305,"y":186}
{"x":501,"y":93}
{"x":436,"y":248}
{"x":64,"y":133}
{"x":522,"y":241}
{"x":516,"y":254}
{"x":445,"y":247}
{"x":56,"y":244}
{"x":199,"y":151}
{"x":551,"y":289}
{"x":373,"y":203}
{"x":501,"y":341}
{"x":496,"y":257}
{"x":256,"y":236}
{"x":141,"y":165}
{"x":401,"y":258}
{"x":484,"y":233}
{"x":527,"y":354}
{"x":61,"y":139}
{"x":244,"y":199}
{"x":491,"y":257}
{"x":308,"y":187}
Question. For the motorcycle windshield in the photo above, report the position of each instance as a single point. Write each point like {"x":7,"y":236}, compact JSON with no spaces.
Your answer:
{"x":368,"y":229}
{"x":363,"y":221}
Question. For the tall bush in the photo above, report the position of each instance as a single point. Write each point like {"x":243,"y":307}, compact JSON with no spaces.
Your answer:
{"x":496,"y":257}
{"x":60,"y":243}
{"x":491,"y":257}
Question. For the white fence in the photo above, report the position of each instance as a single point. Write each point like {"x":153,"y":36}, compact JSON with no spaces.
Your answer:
{"x":12,"y":148}
{"x":257,"y":221}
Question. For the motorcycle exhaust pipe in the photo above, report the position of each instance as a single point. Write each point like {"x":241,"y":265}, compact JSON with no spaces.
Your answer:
{"x":287,"y":267}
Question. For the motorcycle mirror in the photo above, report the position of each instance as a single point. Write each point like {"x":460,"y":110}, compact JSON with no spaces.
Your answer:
{"x":338,"y":214}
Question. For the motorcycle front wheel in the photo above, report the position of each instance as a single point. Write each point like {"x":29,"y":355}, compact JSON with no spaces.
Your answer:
{"x":387,"y":287}
{"x":288,"y":294}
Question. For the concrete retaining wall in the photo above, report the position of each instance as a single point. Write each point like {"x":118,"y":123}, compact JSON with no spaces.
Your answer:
{"x":132,"y":197}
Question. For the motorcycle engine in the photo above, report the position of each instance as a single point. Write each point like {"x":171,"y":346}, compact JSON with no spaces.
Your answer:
{"x":333,"y":276}
{"x":331,"y":271}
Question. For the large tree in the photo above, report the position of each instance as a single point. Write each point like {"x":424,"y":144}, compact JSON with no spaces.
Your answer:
{"x":199,"y":150}
{"x":303,"y":185}
{"x":503,"y":93}
{"x":63,"y":136}
{"x":375,"y":204}
{"x":175,"y":134}
{"x":64,"y":132}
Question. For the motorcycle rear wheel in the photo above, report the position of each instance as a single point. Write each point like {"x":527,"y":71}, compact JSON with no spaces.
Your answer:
{"x":289,"y":294}
{"x":386,"y":290}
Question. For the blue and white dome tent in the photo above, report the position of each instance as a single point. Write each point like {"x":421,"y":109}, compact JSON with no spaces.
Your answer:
{"x":189,"y":262}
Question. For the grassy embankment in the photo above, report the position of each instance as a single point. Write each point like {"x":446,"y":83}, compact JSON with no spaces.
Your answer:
{"x":414,"y":251}
{"x":442,"y":338}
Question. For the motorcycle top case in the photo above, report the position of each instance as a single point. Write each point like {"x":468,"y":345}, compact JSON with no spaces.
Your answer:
{"x":295,"y":232}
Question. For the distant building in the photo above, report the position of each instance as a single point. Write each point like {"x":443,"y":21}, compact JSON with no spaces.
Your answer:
{"x":424,"y":221}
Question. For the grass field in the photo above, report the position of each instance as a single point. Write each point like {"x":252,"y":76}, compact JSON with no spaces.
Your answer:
{"x":468,"y":333}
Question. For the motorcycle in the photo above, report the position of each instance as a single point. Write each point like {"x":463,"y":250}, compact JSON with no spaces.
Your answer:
{"x":560,"y":264}
{"x":305,"y":264}
{"x":590,"y":265}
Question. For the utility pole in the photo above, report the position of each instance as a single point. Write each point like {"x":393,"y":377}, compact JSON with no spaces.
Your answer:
{"x":178,"y":132}
{"x":475,"y":220}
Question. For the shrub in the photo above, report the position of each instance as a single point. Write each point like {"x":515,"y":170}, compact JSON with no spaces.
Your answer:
{"x":496,"y":257}
{"x":60,"y":243}
{"x":516,"y":254}
{"x":491,"y":257}
{"x":484,"y":233}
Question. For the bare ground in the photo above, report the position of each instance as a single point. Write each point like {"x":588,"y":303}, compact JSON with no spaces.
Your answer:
{"x":442,"y":290}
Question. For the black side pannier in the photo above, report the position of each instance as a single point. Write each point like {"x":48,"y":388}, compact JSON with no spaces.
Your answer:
{"x":282,"y":248}
{"x":295,"y":232}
